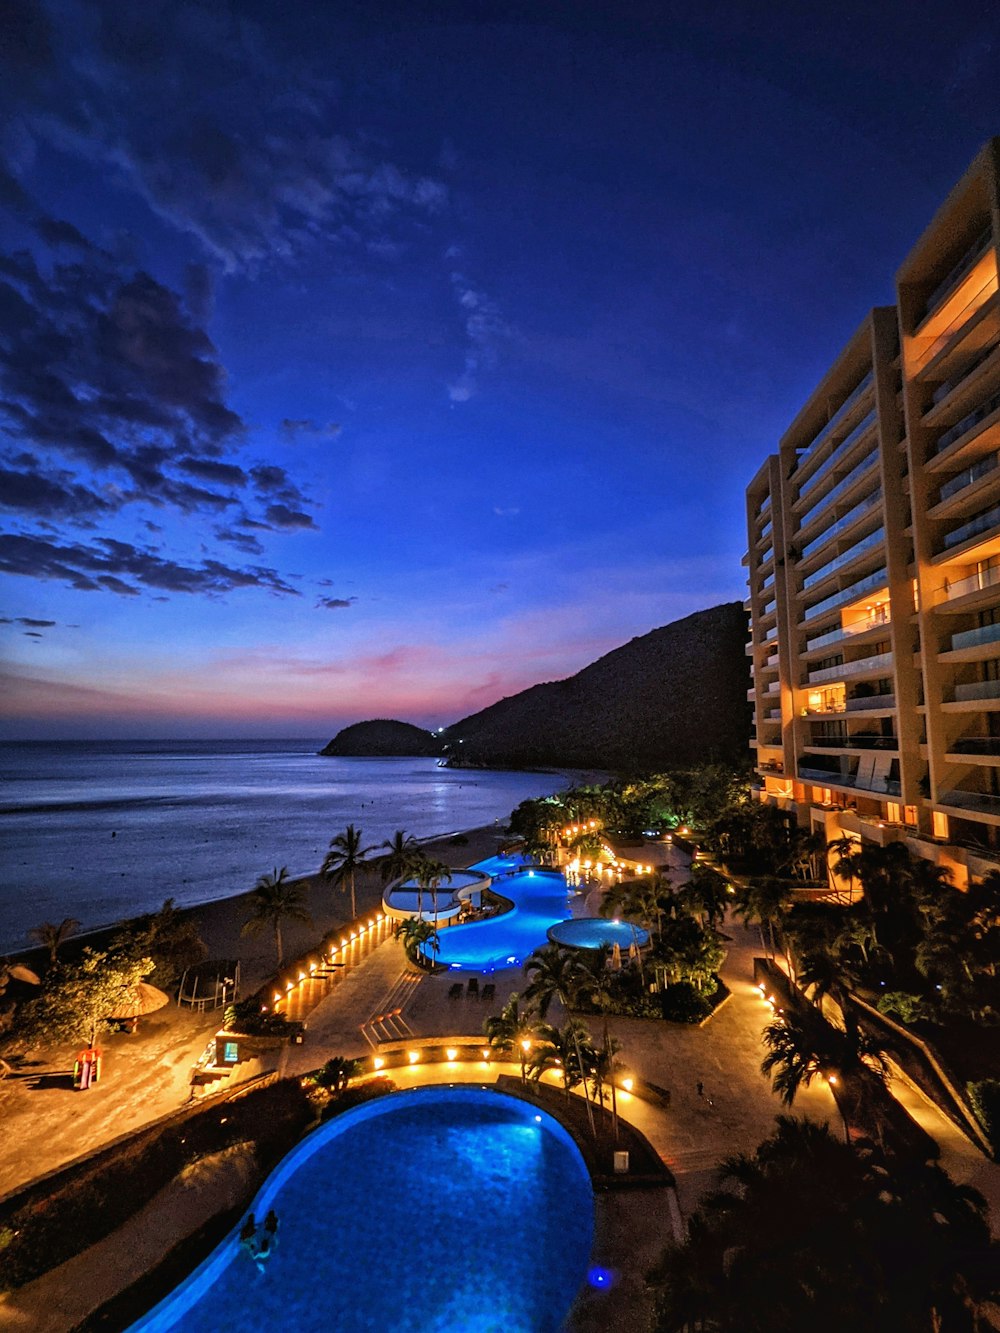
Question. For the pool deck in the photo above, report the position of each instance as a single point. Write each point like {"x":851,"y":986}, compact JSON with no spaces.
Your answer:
{"x":693,"y":1135}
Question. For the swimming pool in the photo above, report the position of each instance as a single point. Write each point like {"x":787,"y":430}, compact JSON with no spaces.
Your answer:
{"x":590,"y":932}
{"x":429,"y":1211}
{"x":539,"y":898}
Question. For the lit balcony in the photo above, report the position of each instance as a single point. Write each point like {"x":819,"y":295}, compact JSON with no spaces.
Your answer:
{"x":878,"y":665}
{"x":979,"y":247}
{"x":980,"y":581}
{"x":875,"y":580}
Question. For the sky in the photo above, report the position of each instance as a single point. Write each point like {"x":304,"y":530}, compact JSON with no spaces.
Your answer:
{"x":369,"y":359}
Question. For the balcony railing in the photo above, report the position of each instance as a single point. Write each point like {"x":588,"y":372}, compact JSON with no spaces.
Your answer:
{"x":842,"y":411}
{"x":875,"y":579}
{"x":974,"y":801}
{"x":943,"y":390}
{"x":962,"y":427}
{"x":841,"y":452}
{"x":842,"y":524}
{"x":975,"y":638}
{"x":888,"y":787}
{"x":848,"y":632}
{"x":975,"y":745}
{"x":869,"y":702}
{"x":965,"y":265}
{"x":978,"y":689}
{"x":845,"y":558}
{"x":867,"y":464}
{"x":982,"y":578}
{"x":854,"y":743}
{"x":880,"y":662}
{"x":968,"y":476}
{"x":989,"y":518}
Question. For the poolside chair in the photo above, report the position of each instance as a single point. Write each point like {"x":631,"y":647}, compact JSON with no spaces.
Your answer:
{"x":473,"y":987}
{"x":455,"y":991}
{"x":489,"y":990}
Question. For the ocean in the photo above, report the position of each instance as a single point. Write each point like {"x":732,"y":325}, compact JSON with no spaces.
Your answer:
{"x":104,"y":830}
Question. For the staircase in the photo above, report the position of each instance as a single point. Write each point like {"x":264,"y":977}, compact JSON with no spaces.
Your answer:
{"x":388,"y":1023}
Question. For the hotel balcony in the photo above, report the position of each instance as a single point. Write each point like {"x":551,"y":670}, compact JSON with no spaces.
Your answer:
{"x":873,"y":627}
{"x":852,"y":743}
{"x":880,"y":664}
{"x":981,"y":421}
{"x":839,"y":460}
{"x":961,"y":486}
{"x":841,"y":527}
{"x":840,"y":419}
{"x":970,"y":593}
{"x":965,"y":384}
{"x":981,"y":637}
{"x":873,"y":703}
{"x":850,"y":781}
{"x":967,"y":747}
{"x":838,"y":600}
{"x":844,"y":560}
{"x":968,"y":697}
{"x":935,"y":348}
{"x":977,"y":803}
{"x":980,"y":247}
{"x":847,"y":491}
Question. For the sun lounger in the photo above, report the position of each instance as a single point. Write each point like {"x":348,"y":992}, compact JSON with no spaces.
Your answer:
{"x":489,"y":990}
{"x":473,"y":987}
{"x":455,"y":991}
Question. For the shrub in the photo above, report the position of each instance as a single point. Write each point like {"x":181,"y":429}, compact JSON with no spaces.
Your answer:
{"x":682,"y":1002}
{"x":985,"y":1099}
{"x":246,"y":1016}
{"x":901,"y":1004}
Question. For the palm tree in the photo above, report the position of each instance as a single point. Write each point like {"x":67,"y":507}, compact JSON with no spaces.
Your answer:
{"x":418,"y":936}
{"x":707,"y":895}
{"x":556,"y":1048}
{"x":556,"y":975}
{"x":51,"y":936}
{"x":276,"y":899}
{"x":402,"y":851}
{"x":802,"y":1044}
{"x":766,"y":901}
{"x":513,"y":1028}
{"x":344,"y":859}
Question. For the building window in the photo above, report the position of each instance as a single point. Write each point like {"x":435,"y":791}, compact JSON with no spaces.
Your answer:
{"x":910,"y":815}
{"x":939,"y":824}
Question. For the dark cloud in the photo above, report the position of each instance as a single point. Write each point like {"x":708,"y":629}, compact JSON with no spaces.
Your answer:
{"x":243,"y":541}
{"x":230,"y":147}
{"x":210,"y":469}
{"x":120,"y":567}
{"x":57,"y":232}
{"x":304,"y":427}
{"x":28,"y":620}
{"x":335,"y":603}
{"x":33,"y":634}
{"x":47,"y":497}
{"x":280,"y":516}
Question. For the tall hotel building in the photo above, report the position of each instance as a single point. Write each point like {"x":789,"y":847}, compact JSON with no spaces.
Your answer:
{"x":874,"y":564}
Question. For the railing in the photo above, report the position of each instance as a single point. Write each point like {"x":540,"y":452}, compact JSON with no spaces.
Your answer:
{"x":867,"y":463}
{"x":766,"y":557}
{"x":842,"y":524}
{"x":874,"y":580}
{"x":877,"y":662}
{"x":854,"y":743}
{"x":989,"y":518}
{"x":848,"y":632}
{"x":962,"y":427}
{"x":841,"y":452}
{"x":975,"y":745}
{"x":975,"y":801}
{"x":838,"y":416}
{"x":889,"y":787}
{"x":873,"y":538}
{"x":869,"y":702}
{"x":968,"y":476}
{"x":765,"y":531}
{"x":924,"y":355}
{"x":979,"y":689}
{"x":975,"y":638}
{"x":964,"y":266}
{"x":943,"y":390}
{"x":982,"y":578}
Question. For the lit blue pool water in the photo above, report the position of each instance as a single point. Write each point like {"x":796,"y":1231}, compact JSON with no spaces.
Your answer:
{"x":539,"y":898}
{"x":590,"y":932}
{"x":439,"y":1210}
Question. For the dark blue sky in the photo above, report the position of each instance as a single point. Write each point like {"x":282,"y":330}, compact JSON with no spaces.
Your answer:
{"x":369,"y":359}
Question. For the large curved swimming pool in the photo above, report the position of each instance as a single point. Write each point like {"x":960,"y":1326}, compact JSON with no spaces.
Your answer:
{"x":436,"y":1210}
{"x":539,"y":901}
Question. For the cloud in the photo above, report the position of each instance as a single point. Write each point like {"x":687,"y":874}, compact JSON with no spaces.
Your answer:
{"x":335,"y":603}
{"x":510,"y":512}
{"x":485,"y":331}
{"x":28,"y":620}
{"x":232,"y":146}
{"x":304,"y":427}
{"x":280,"y":516}
{"x":116,"y":566}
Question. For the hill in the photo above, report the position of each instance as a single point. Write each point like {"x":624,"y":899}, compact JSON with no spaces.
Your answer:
{"x":675,"y":696}
{"x":382,"y":738}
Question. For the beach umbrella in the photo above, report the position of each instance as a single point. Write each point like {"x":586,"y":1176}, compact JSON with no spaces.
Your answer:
{"x":616,"y":957}
{"x":633,"y":951}
{"x":16,"y":972}
{"x":142,"y":999}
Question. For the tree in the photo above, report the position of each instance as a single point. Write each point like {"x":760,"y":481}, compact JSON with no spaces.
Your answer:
{"x":274,"y":900}
{"x":557,"y":1048}
{"x":343,"y":860}
{"x":803,"y":1044}
{"x":402,"y":851}
{"x":418,"y":936}
{"x":765,"y":902}
{"x":556,"y":975}
{"x":78,"y":999}
{"x":513,"y":1028}
{"x":51,"y":936}
{"x":170,"y":937}
{"x":430,"y":875}
{"x":706,"y":895}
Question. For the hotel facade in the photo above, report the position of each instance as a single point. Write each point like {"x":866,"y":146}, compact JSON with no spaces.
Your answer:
{"x":874,"y":564}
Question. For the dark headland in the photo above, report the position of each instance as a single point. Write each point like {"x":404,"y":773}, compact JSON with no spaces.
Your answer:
{"x":674,"y":696}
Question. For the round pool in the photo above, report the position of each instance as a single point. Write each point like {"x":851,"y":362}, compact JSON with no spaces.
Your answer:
{"x":426,"y":1211}
{"x":590,"y":932}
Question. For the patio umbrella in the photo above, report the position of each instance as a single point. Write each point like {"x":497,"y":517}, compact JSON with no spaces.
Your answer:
{"x":633,"y":951}
{"x":142,"y":999}
{"x":616,"y":957}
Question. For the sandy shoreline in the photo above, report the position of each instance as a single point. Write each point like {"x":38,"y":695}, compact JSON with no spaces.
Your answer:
{"x":221,"y":920}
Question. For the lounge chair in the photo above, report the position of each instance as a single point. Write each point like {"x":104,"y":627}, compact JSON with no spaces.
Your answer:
{"x":473,"y":987}
{"x":455,"y":991}
{"x":489,"y":990}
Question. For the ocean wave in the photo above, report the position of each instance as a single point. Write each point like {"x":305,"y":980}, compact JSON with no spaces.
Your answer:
{"x":63,"y":807}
